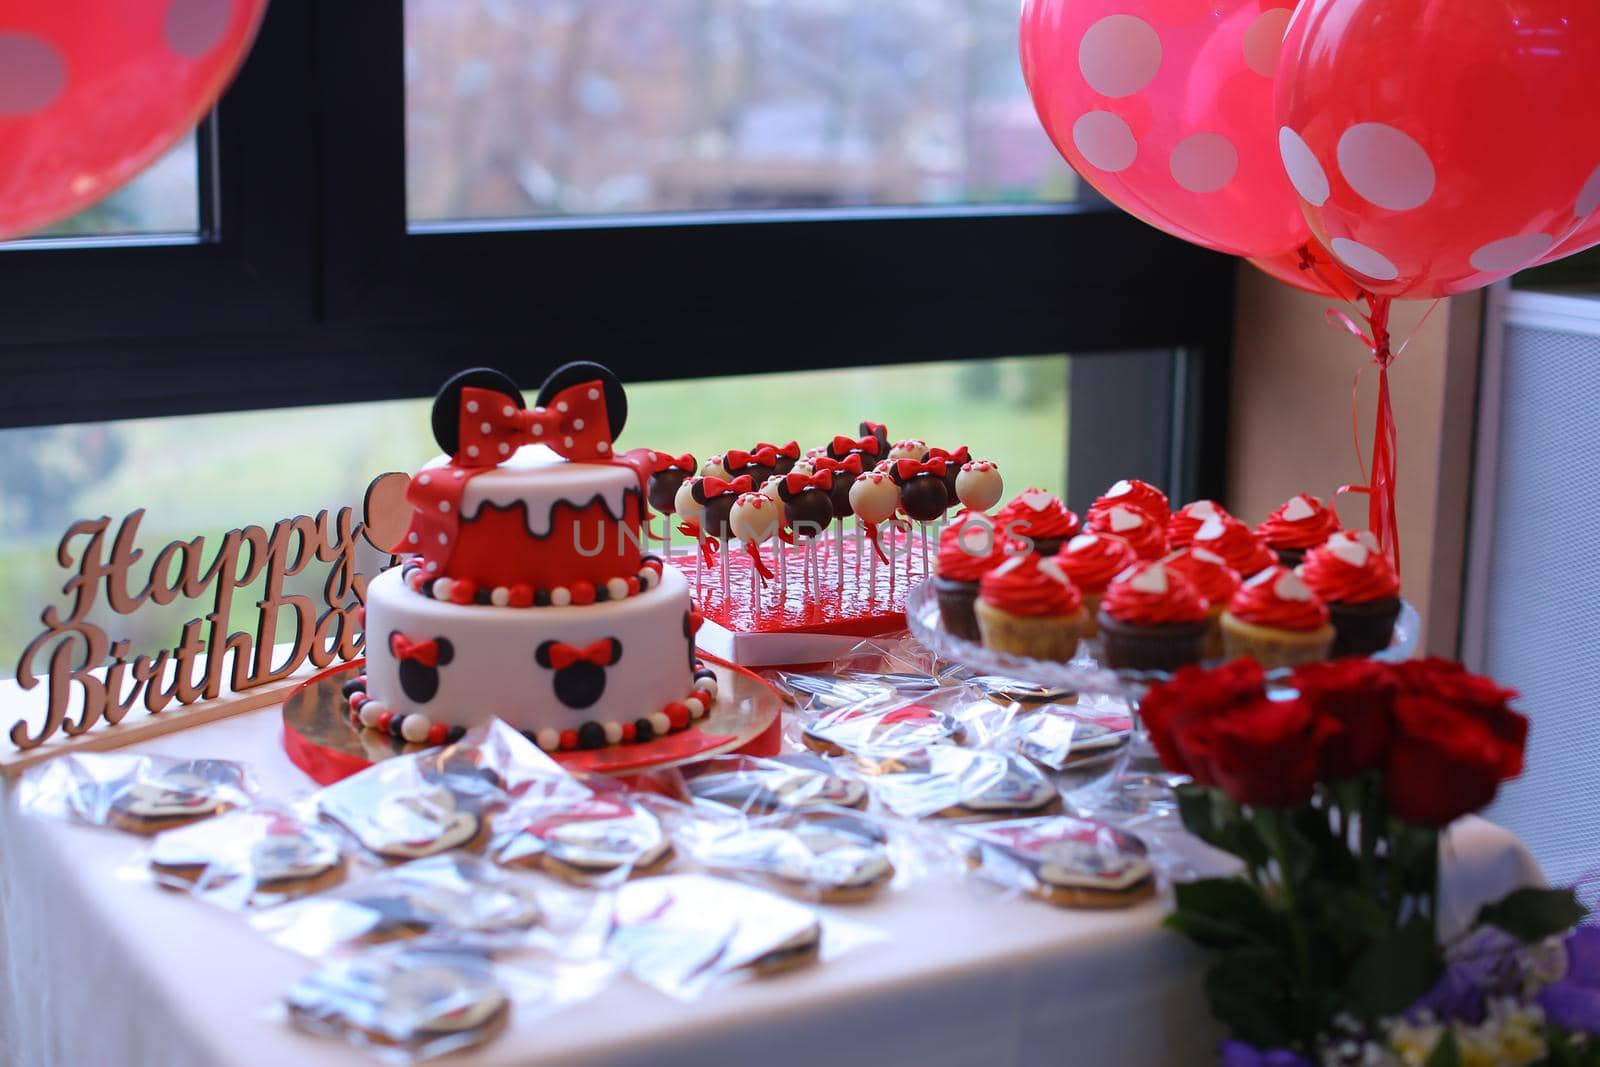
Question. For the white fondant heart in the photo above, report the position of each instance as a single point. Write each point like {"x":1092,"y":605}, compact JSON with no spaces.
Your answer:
{"x":1368,"y":538}
{"x":1289,"y":587}
{"x":1052,"y":570}
{"x":1207,"y":557}
{"x":1202,"y":509}
{"x":1122,"y":488}
{"x":1209,"y":530}
{"x":1153,"y":579}
{"x":1349,"y":549}
{"x":1298,"y":509}
{"x":1037,"y":499}
{"x":1123,"y":519}
{"x":1081,"y":542}
{"x":1264,"y":575}
{"x":1010,"y":565}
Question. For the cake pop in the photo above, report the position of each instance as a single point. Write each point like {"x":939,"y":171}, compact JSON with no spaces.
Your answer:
{"x":845,"y":472}
{"x":869,"y":448}
{"x":911,"y":448}
{"x":754,"y":520}
{"x":979,"y":485}
{"x":714,"y":467}
{"x":808,"y":509}
{"x":667,"y":476}
{"x":718,"y":496}
{"x":873,"y":497}
{"x":923,"y":497}
{"x":687,"y":506}
{"x":786,"y":456}
{"x":953,"y":461}
{"x":759,"y":464}
{"x":875,"y":429}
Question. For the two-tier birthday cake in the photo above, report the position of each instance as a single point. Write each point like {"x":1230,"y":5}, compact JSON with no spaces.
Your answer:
{"x":525,"y":592}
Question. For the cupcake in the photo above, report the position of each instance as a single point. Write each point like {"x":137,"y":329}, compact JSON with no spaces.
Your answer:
{"x":1184,"y":522}
{"x":1039,"y":516}
{"x":1213,"y":579}
{"x":1152,"y":619}
{"x":1132,"y":493}
{"x":1354,"y":578}
{"x":1301,"y":523}
{"x":1091,"y":561}
{"x":1029,"y":607}
{"x":968,"y":549}
{"x":1233,"y":541}
{"x":1133,"y":525}
{"x":1277,"y":620}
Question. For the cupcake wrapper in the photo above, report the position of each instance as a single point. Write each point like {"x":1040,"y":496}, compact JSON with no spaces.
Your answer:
{"x":1052,"y":637}
{"x":955,"y":607}
{"x":1290,"y":557}
{"x":1048,"y":546}
{"x":1091,"y":614}
{"x":1363,"y":629}
{"x":1151,"y":648}
{"x":1212,"y":649}
{"x":1272,"y":647}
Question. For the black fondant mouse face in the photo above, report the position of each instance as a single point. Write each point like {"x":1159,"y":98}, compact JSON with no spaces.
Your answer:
{"x":688,"y":635}
{"x":419,"y":663}
{"x":579,"y":672}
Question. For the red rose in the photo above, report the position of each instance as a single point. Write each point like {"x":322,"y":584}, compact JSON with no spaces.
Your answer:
{"x":1170,"y":710}
{"x":1266,"y":752}
{"x":1356,"y":695}
{"x":1473,"y":695}
{"x":1446,"y":759}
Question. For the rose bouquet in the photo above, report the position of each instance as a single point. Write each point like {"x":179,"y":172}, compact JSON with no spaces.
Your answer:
{"x":1332,"y":790}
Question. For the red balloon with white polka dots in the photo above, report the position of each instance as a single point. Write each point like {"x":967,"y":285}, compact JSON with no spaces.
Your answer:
{"x":91,"y":92}
{"x":1437,"y":145}
{"x":1165,"y":107}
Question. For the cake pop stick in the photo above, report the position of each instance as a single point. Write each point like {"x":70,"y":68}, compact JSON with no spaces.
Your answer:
{"x":808,"y":507}
{"x":873,"y":498}
{"x":687,"y":506}
{"x":923,"y":497}
{"x":717,"y":496}
{"x":845,"y":471}
{"x":667,"y":477}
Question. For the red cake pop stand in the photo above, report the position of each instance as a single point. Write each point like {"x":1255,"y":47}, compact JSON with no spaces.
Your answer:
{"x":747,"y":717}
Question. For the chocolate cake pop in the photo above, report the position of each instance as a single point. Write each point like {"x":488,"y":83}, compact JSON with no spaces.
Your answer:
{"x":807,"y":501}
{"x":718,"y":495}
{"x":979,"y":485}
{"x":845,"y":472}
{"x":953,"y":461}
{"x":869,"y":448}
{"x":923,"y":496}
{"x":910,"y":448}
{"x":876,"y":429}
{"x":666,"y":479}
{"x":787,"y":455}
{"x":758,"y":464}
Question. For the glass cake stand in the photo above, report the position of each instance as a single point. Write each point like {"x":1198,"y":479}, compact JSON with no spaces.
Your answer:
{"x":1140,"y":786}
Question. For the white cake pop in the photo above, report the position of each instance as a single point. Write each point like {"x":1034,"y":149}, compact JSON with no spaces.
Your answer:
{"x":685,"y":506}
{"x":979,"y":485}
{"x":908,"y":449}
{"x":755,"y":518}
{"x":714,"y":468}
{"x":874,"y":497}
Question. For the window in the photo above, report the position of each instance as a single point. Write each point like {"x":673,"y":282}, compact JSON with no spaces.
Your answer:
{"x":162,"y":201}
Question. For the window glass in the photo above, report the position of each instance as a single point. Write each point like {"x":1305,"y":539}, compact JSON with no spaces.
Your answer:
{"x":204,"y":475}
{"x":521,"y":108}
{"x":163,"y":199}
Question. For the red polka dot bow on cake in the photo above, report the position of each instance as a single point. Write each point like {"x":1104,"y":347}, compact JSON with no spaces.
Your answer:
{"x":573,"y":424}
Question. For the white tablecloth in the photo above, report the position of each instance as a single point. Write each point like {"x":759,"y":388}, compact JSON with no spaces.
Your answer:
{"x":103,"y":970}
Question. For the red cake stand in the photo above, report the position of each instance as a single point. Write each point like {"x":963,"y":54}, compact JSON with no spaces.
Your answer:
{"x":765,"y":623}
{"x":747,"y":717}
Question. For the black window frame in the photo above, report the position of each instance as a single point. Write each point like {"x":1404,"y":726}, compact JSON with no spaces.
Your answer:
{"x":306,"y":285}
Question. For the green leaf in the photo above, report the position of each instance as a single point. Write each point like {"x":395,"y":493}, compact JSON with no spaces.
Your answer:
{"x":1531,"y":915}
{"x":1391,"y":974}
{"x":1195,"y":809}
{"x":1446,"y":1053}
{"x":1250,"y":990}
{"x":1223,"y":913}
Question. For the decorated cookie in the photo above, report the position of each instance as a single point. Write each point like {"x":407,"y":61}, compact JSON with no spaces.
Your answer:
{"x":761,"y":787}
{"x":181,"y":794}
{"x":466,"y":894}
{"x":864,"y":729}
{"x":680,"y":931}
{"x":834,"y":856}
{"x":425,"y":1002}
{"x":978,"y":485}
{"x":1059,"y":737}
{"x":1072,"y":863}
{"x":406,"y":823}
{"x":268,"y":855}
{"x":945,"y":782}
{"x":584,"y":841}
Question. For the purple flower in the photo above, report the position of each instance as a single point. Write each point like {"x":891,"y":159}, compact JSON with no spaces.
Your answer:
{"x":1574,"y":1002}
{"x":1239,"y":1054}
{"x":1484,"y":965}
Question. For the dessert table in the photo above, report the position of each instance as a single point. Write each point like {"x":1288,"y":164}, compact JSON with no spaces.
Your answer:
{"x":100,"y":968}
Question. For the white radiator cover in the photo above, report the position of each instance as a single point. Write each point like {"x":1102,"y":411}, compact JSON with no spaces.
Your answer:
{"x":1533,"y":605}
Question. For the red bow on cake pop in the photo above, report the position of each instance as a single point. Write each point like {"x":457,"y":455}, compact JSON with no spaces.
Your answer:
{"x":958,"y":457}
{"x":563,"y":656}
{"x":712,"y":486}
{"x":850,"y":464}
{"x":799,"y":483}
{"x":789,"y":451}
{"x":907,"y":469}
{"x":574,"y":425}
{"x":423,"y":652}
{"x":665,"y":461}
{"x":842,"y":445}
{"x":735,"y":459}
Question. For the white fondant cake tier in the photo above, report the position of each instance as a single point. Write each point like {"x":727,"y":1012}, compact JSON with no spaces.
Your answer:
{"x":538,"y":479}
{"x":533,"y":667}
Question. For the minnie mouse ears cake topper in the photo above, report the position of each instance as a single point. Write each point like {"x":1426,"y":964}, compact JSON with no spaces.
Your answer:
{"x":480,"y":418}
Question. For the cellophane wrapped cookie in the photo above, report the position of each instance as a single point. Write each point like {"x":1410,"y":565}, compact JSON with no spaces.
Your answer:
{"x":957,"y":784}
{"x":1060,"y":737}
{"x":141,"y":794}
{"x":454,"y":898}
{"x":755,"y":786}
{"x":251,"y":857}
{"x":602,"y":838}
{"x":883,"y":725}
{"x":1070,"y":862}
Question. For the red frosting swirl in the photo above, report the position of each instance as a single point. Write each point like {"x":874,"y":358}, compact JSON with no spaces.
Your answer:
{"x":1028,"y":585}
{"x":969,"y":548}
{"x":1233,"y":541}
{"x":1133,"y":525}
{"x":1347,"y":570}
{"x":1037,"y":514}
{"x":1183,"y":523}
{"x":1092,"y":560}
{"x":1278,"y":598}
{"x":1208,"y":572}
{"x":1151,"y":595}
{"x":1131,"y":492}
{"x":1300,"y":522}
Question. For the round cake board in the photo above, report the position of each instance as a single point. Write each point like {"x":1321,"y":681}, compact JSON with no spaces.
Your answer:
{"x":747,"y":718}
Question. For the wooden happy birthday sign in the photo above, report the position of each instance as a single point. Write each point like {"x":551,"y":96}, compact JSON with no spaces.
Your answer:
{"x":92,"y":680}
